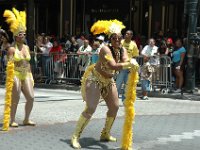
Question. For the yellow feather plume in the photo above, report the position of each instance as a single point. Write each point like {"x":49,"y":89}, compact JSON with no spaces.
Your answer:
{"x":23,"y":17}
{"x":127,"y":136}
{"x":16,"y":20}
{"x":8,"y":96}
{"x":107,"y":27}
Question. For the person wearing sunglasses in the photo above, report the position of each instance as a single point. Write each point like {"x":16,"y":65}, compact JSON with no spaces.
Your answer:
{"x":22,"y":80}
{"x":98,"y":81}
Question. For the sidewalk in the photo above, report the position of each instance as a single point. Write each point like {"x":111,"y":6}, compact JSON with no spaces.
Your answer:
{"x":161,"y":124}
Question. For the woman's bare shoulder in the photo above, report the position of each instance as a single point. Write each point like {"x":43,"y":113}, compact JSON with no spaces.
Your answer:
{"x":105,"y":49}
{"x":11,"y":50}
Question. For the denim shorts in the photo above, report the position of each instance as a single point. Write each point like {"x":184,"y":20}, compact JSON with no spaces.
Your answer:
{"x":145,"y":85}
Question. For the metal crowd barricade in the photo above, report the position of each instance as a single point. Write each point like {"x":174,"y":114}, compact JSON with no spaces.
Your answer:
{"x":162,"y":77}
{"x":69,"y":68}
{"x":75,"y":66}
{"x":59,"y":67}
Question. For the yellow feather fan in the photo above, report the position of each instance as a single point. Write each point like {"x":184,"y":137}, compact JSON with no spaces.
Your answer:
{"x":16,"y":19}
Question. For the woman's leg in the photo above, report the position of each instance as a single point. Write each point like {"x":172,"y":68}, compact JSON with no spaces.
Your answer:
{"x":92,"y":100}
{"x":27,"y":89}
{"x":112,"y":101}
{"x":113,"y":106}
{"x":177,"y":78}
{"x":15,"y":100}
{"x":181,"y":79}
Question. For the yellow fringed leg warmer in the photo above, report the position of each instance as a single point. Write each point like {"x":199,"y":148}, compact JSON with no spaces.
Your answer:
{"x":105,"y":134}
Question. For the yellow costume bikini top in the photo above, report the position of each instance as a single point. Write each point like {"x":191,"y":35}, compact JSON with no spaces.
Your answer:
{"x":116,"y":55}
{"x":21,"y":63}
{"x":19,"y":57}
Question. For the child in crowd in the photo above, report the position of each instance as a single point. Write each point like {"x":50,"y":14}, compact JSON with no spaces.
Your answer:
{"x":146,"y":76}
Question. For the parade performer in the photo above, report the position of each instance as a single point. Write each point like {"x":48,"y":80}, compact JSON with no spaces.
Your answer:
{"x":19,"y":77}
{"x":98,"y":80}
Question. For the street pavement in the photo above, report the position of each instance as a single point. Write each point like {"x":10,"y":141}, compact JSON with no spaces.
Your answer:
{"x":160,"y":124}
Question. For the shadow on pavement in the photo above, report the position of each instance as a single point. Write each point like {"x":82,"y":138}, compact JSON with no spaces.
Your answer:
{"x":89,"y":143}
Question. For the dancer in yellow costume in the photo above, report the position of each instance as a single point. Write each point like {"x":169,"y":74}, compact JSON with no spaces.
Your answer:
{"x":98,"y":80}
{"x":19,"y":76}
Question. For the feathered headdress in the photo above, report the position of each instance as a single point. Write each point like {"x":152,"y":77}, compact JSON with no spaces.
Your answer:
{"x":16,"y":19}
{"x":107,"y":26}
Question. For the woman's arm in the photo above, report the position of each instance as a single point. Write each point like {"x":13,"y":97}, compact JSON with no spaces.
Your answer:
{"x":10,"y":54}
{"x":182,"y":59}
{"x":106,"y":55}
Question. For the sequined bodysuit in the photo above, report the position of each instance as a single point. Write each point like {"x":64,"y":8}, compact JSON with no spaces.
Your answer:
{"x":22,"y":65}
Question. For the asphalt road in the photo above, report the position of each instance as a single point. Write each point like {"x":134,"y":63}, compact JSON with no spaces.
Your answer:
{"x":160,"y":124}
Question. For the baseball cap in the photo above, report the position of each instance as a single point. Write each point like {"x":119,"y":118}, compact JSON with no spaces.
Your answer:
{"x":100,"y":38}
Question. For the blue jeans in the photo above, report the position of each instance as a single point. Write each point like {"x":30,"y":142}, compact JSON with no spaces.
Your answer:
{"x":46,"y":65}
{"x":145,"y":85}
{"x":122,"y":77}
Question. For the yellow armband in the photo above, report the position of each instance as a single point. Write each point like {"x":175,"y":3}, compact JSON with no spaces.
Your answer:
{"x":108,"y":57}
{"x":132,"y":64}
{"x":126,"y":65}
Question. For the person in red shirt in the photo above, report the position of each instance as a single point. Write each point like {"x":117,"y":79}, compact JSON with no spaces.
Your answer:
{"x":55,"y":50}
{"x":58,"y":58}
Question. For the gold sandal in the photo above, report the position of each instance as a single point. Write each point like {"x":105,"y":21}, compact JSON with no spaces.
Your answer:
{"x":14,"y":125}
{"x":29,"y":123}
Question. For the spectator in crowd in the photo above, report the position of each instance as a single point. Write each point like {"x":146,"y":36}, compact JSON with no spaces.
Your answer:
{"x":170,"y":47}
{"x":159,"y":38}
{"x":81,"y":39}
{"x":58,"y":58}
{"x":68,"y":43}
{"x":101,"y":39}
{"x":74,"y":45}
{"x":151,"y":49}
{"x":146,"y":72}
{"x":4,"y":40}
{"x":72,"y":58}
{"x":46,"y":47}
{"x":163,"y":48}
{"x":39,"y":50}
{"x":178,"y":65}
{"x":133,"y":52}
{"x":84,"y":56}
{"x":95,"y":52}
